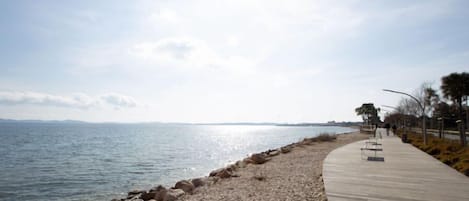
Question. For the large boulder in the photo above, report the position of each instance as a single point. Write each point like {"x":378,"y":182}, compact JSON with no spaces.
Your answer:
{"x":225,"y":173}
{"x":258,"y":158}
{"x":159,"y":192}
{"x":185,"y":185}
{"x":215,"y":172}
{"x":147,"y":196}
{"x":173,"y":194}
{"x":222,"y":173}
{"x":197,"y":182}
{"x":285,"y":149}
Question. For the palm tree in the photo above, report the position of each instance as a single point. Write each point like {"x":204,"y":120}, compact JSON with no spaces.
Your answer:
{"x":455,"y":86}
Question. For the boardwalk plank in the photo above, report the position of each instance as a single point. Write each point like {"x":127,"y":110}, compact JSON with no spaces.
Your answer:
{"x":406,"y":174}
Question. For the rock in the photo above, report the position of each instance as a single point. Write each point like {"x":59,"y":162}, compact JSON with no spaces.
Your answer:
{"x":135,"y":192}
{"x":185,"y":185}
{"x":173,"y":194}
{"x":224,"y":173}
{"x":133,"y":196}
{"x":241,"y":164}
{"x":197,"y":182}
{"x":160,"y":192}
{"x":215,"y":172}
{"x":233,"y":167}
{"x":248,"y":161}
{"x":212,"y":180}
{"x":258,"y":158}
{"x":285,"y":150}
{"x":157,"y":188}
{"x":148,"y":196}
{"x":274,"y":153}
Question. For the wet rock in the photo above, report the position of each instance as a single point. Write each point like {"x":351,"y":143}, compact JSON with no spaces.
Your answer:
{"x":185,"y":185}
{"x":173,"y":194}
{"x":197,"y":182}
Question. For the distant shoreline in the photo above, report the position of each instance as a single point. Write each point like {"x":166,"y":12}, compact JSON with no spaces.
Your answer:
{"x":342,"y":124}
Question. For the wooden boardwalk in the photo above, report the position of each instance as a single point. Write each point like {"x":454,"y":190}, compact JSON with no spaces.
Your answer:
{"x":406,"y":174}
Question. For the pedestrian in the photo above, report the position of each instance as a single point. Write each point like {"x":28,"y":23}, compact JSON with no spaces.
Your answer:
{"x":387,"y":126}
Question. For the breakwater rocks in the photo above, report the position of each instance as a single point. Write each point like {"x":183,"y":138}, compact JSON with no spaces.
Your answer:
{"x":188,"y":187}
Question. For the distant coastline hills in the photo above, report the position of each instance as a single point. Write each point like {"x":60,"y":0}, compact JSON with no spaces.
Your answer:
{"x":331,"y":123}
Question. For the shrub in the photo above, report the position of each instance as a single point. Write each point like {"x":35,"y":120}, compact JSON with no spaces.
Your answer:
{"x":447,"y":151}
{"x":325,"y":137}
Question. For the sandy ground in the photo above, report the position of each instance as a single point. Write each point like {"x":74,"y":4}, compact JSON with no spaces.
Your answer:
{"x":296,"y":175}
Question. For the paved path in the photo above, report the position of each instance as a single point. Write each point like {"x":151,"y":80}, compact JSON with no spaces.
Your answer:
{"x":406,"y":174}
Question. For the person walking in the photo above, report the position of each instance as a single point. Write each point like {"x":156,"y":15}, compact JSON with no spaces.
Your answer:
{"x":387,"y":126}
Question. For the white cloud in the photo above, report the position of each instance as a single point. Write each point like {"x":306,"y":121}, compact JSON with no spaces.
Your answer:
{"x":168,"y":49}
{"x":77,"y":100}
{"x":190,"y":53}
{"x":118,"y":100}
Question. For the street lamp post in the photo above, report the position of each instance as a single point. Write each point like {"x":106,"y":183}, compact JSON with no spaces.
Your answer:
{"x":424,"y":129}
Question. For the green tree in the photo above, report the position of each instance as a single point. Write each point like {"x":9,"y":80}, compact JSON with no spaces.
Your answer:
{"x":369,"y":113}
{"x":431,"y":99}
{"x":455,"y":87}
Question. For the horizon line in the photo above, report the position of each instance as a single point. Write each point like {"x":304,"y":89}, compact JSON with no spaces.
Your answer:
{"x":170,"y":122}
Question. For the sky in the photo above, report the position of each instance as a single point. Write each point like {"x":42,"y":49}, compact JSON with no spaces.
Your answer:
{"x":222,"y":61}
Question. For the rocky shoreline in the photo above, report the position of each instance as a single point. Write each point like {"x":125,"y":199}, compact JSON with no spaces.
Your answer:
{"x":288,"y":168}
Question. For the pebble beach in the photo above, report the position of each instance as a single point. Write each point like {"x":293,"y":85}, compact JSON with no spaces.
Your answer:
{"x":291,"y":172}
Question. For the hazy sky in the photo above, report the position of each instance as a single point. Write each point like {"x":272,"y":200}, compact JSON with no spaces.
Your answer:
{"x":222,"y":61}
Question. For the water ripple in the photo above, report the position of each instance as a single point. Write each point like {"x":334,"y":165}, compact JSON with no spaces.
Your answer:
{"x":102,"y":161}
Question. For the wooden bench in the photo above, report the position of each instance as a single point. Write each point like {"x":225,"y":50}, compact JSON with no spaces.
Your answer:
{"x":374,"y":146}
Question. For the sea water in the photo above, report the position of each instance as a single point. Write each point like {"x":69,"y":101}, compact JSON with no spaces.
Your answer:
{"x":81,"y":161}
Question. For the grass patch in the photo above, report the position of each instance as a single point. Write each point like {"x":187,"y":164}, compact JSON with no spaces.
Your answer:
{"x":326,"y":137}
{"x":447,"y":151}
{"x":323,"y":137}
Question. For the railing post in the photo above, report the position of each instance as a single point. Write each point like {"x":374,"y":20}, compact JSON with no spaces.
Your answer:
{"x":440,"y":127}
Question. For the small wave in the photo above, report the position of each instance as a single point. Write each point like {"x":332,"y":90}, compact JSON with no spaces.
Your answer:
{"x":134,"y":172}
{"x":5,"y":195}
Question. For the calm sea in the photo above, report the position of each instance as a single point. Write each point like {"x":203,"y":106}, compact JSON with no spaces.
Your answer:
{"x":59,"y":161}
